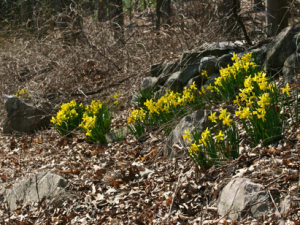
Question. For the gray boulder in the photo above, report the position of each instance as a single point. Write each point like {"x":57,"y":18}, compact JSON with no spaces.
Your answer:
{"x":148,"y":83}
{"x":281,"y":48}
{"x":156,"y":69}
{"x":237,"y":45}
{"x":23,"y":116}
{"x":194,"y":57}
{"x":168,"y":70}
{"x":208,"y":64}
{"x":199,"y":80}
{"x":211,"y":79}
{"x":174,"y":82}
{"x":188,"y":72}
{"x":224,"y":61}
{"x":241,"y":198}
{"x":291,"y":64}
{"x":197,"y":120}
{"x":259,"y":53}
{"x":33,"y":189}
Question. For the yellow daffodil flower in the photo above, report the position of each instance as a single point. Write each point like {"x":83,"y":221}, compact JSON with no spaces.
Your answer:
{"x":264,"y":100}
{"x":193,"y":149}
{"x":235,"y":57}
{"x":220,"y":136}
{"x":187,"y":135}
{"x":223,"y":114}
{"x":204,"y":73}
{"x":227,"y":120}
{"x":213,"y":117}
{"x":286,"y":89}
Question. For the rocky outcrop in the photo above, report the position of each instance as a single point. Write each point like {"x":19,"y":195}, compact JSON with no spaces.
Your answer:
{"x":23,"y":116}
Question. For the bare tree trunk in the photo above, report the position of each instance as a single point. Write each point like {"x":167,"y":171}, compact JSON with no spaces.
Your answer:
{"x":158,"y":13}
{"x":168,"y":11}
{"x":26,"y":11}
{"x":117,"y":16}
{"x":277,"y":16}
{"x":101,"y":10}
{"x":2,"y":11}
{"x":163,"y":12}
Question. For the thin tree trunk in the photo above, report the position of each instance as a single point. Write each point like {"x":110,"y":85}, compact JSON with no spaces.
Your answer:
{"x":277,"y":16}
{"x":168,"y":12}
{"x":26,"y":11}
{"x":2,"y":11}
{"x":102,"y":10}
{"x":158,"y":13}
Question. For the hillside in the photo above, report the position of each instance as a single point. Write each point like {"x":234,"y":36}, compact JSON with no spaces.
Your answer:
{"x":151,"y":178}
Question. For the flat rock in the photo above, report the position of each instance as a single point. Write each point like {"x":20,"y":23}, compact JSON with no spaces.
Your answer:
{"x":241,"y":198}
{"x":34,"y":189}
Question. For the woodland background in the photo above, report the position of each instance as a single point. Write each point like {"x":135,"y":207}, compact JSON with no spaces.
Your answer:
{"x":69,"y":47}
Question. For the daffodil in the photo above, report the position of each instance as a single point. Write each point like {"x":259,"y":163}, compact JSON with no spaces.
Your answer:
{"x":193,"y":86}
{"x":213,"y":117}
{"x":245,"y":114}
{"x":116,"y":96}
{"x":187,"y":135}
{"x":151,"y":106}
{"x":238,"y":112}
{"x":286,"y":89}
{"x":220,"y":136}
{"x":264,"y":100}
{"x":205,"y":134}
{"x":223,"y":114}
{"x":193,"y":149}
{"x":227,"y":120}
{"x":235,"y":57}
{"x":261,"y":112}
{"x":236,"y":101}
{"x":204,"y":73}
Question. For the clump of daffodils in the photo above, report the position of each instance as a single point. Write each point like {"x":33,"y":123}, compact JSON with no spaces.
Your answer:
{"x":68,"y":117}
{"x":96,"y":121}
{"x":211,"y":148}
{"x":137,"y":115}
{"x":23,"y":93}
{"x":164,"y":109}
{"x":135,"y":122}
{"x":258,"y":108}
{"x":232,"y":78}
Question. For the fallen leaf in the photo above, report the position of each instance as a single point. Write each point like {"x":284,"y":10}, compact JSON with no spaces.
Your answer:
{"x":169,"y":201}
{"x":116,"y":184}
